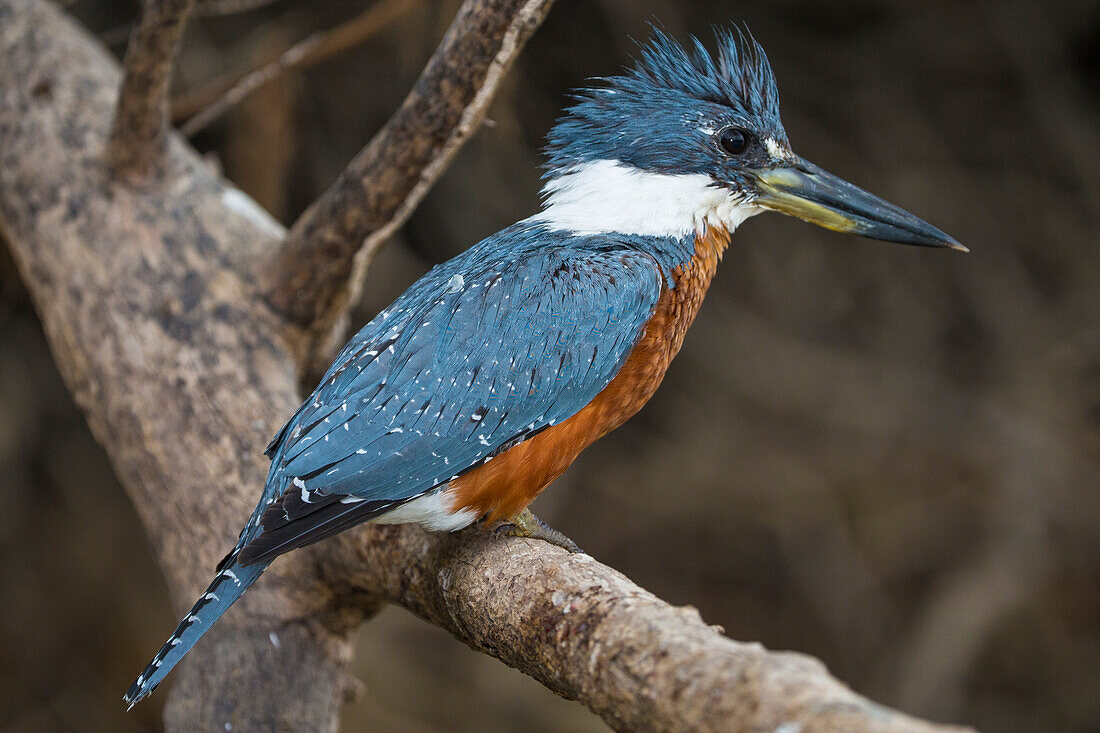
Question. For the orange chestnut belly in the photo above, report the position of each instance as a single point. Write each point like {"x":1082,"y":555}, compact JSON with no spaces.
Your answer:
{"x":504,"y":486}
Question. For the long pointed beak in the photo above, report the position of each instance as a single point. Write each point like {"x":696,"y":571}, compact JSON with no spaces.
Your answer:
{"x":803,"y":190}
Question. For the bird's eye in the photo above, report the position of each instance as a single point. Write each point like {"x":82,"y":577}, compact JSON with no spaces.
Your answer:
{"x":733,"y":140}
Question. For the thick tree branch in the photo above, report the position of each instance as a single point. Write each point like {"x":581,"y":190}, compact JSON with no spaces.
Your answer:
{"x":139,"y":133}
{"x":312,"y":279}
{"x":176,"y":361}
{"x":590,"y":634}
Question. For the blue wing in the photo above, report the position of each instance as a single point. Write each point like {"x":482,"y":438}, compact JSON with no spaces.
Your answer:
{"x":504,"y":340}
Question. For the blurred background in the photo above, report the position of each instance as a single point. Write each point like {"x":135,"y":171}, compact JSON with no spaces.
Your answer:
{"x":887,"y":457}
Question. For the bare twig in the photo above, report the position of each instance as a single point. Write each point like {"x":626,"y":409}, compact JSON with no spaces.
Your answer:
{"x":262,"y":140}
{"x":204,"y":105}
{"x":229,"y":7}
{"x":312,"y":278}
{"x":181,"y":374}
{"x":139,"y":135}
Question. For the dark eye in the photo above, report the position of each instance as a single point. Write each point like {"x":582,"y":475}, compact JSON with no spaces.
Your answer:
{"x":732,"y":140}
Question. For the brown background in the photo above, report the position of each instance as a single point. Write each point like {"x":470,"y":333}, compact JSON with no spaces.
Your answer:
{"x":884,"y":456}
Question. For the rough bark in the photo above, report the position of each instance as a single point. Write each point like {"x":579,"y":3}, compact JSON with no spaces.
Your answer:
{"x":139,"y":135}
{"x":178,"y":363}
{"x":313,"y":279}
{"x":588,"y":633}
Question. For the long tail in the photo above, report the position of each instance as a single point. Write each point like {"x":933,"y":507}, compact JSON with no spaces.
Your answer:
{"x":228,"y":585}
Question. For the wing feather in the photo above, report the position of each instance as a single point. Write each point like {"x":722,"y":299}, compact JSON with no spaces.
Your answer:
{"x":481,"y":352}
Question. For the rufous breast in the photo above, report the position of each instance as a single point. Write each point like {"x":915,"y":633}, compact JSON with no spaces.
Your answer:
{"x":505,"y":485}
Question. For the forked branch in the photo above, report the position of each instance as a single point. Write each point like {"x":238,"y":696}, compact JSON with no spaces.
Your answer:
{"x":181,"y":372}
{"x":312,"y":279}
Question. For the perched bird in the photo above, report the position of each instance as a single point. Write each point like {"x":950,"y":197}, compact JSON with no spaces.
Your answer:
{"x":483,"y":382}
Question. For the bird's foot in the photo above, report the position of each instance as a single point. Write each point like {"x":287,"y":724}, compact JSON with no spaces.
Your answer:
{"x":526,"y":524}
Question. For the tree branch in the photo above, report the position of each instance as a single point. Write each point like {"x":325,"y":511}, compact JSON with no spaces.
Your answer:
{"x":229,"y":7}
{"x":144,"y":296}
{"x":312,"y":279}
{"x":590,"y":634}
{"x":202,"y":106}
{"x":139,"y":134}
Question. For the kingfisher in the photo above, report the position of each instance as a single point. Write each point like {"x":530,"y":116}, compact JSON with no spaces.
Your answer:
{"x":481,"y":384}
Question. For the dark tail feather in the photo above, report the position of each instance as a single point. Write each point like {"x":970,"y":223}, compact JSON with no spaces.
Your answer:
{"x":231,"y":581}
{"x":330,"y":516}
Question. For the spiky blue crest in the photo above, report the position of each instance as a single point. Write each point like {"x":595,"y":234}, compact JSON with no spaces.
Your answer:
{"x":740,"y":78}
{"x":660,"y":115}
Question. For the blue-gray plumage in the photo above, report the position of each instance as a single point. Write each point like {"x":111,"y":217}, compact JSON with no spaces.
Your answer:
{"x":488,"y":376}
{"x":648,"y":116}
{"x":504,"y":340}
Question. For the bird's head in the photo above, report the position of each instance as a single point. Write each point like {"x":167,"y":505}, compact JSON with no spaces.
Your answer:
{"x":684,"y":139}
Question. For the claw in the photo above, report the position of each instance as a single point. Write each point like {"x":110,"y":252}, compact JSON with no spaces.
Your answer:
{"x":526,"y":524}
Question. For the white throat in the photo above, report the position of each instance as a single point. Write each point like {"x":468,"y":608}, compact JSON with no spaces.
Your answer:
{"x":609,"y":196}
